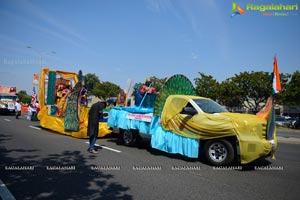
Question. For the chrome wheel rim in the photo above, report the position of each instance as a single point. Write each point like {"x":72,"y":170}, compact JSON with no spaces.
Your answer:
{"x":217,"y":152}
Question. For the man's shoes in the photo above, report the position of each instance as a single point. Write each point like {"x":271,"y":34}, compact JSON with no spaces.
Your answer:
{"x":93,"y":151}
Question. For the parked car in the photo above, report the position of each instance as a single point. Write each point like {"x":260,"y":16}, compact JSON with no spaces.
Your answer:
{"x":295,"y":123}
{"x":281,"y":121}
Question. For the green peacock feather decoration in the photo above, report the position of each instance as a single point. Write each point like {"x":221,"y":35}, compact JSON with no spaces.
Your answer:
{"x":71,"y":122}
{"x":176,"y":84}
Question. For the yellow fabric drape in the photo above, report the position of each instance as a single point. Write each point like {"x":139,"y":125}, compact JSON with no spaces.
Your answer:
{"x":199,"y":126}
{"x":250,"y":130}
{"x":55,"y":123}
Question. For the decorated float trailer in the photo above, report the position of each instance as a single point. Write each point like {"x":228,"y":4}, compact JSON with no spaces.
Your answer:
{"x":180,"y":122}
{"x":61,"y":109}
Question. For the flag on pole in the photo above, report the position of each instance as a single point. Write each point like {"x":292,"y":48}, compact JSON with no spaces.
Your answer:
{"x":276,"y":87}
{"x":33,"y":97}
{"x":271,"y":126}
{"x":271,"y":122}
{"x":276,"y":78}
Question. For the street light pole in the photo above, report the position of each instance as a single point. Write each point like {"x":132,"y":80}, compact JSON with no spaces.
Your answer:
{"x":41,"y":54}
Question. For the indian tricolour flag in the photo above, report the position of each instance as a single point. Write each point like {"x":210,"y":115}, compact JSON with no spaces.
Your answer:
{"x":271,"y":127}
{"x":276,"y":78}
{"x":268,"y":112}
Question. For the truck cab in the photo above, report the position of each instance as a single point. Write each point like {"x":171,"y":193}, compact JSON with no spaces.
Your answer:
{"x":7,"y":103}
{"x":8,"y":99}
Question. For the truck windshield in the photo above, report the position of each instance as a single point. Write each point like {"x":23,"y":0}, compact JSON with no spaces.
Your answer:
{"x":8,"y":98}
{"x":209,"y":106}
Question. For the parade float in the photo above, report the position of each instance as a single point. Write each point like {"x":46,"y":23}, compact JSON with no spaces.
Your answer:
{"x":63,"y":106}
{"x":180,"y":122}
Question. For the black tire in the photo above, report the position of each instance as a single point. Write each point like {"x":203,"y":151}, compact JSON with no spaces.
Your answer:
{"x":219,"y":152}
{"x":128,"y":136}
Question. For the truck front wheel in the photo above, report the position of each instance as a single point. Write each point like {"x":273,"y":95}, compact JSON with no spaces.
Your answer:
{"x":219,"y":152}
{"x":128,"y":136}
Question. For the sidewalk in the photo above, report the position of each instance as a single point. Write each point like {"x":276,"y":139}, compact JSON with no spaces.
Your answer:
{"x":290,"y":130}
{"x":289,"y":139}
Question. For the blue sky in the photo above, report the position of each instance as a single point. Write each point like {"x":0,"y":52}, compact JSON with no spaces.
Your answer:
{"x":132,"y":39}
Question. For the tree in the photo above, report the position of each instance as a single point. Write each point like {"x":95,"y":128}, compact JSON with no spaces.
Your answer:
{"x":229,"y":94}
{"x":90,"y":81}
{"x":105,"y":90}
{"x":290,"y":94}
{"x":252,"y":88}
{"x":282,"y":96}
{"x":207,"y":86}
{"x":24,"y":97}
{"x":156,"y":83}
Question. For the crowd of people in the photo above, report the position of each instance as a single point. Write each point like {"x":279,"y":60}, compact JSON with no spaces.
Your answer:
{"x":31,"y":110}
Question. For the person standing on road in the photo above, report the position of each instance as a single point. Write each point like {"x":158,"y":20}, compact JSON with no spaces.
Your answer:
{"x":18,"y":109}
{"x":30,"y":112}
{"x":95,"y":113}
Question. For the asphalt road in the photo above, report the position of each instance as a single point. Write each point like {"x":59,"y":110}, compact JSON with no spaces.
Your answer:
{"x":40,"y":164}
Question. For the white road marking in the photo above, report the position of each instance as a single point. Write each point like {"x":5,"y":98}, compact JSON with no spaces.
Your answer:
{"x":35,"y":127}
{"x":8,"y":120}
{"x":115,"y":150}
{"x":105,"y":147}
{"x":5,"y":193}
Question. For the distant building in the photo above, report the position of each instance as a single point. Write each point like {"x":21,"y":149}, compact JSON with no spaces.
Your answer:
{"x":279,"y":109}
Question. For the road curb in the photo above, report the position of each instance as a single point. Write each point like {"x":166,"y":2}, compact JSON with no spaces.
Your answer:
{"x":289,"y":130}
{"x":289,"y":140}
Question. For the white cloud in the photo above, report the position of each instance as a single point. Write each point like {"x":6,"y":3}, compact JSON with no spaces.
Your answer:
{"x":194,"y":56}
{"x":41,"y":14}
{"x":31,"y":17}
{"x":48,"y":32}
{"x":159,"y":6}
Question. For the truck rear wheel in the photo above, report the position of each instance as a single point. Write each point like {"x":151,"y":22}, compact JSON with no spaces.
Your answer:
{"x":128,"y":136}
{"x":219,"y":152}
